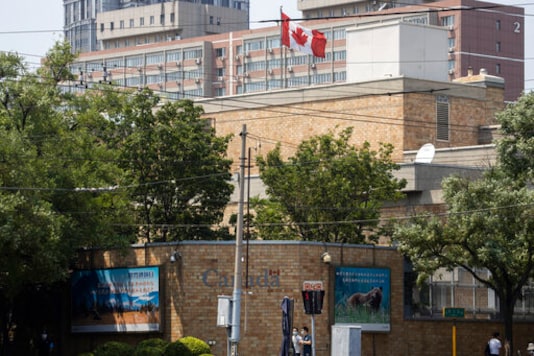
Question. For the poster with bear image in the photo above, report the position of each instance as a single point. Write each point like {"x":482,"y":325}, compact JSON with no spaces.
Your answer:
{"x":362,"y":297}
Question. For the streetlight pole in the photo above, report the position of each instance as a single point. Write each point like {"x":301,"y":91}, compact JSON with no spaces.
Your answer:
{"x":236,"y":298}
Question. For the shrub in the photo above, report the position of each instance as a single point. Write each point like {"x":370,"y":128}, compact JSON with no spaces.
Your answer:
{"x":114,"y":348}
{"x":148,"y":351}
{"x":176,"y":348}
{"x":153,"y":343}
{"x":196,"y":346}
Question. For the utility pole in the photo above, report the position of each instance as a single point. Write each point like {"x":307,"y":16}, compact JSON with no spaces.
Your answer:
{"x":236,"y":298}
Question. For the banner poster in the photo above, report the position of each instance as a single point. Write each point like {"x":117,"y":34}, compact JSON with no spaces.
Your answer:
{"x":362,"y":297}
{"x":115,"y":300}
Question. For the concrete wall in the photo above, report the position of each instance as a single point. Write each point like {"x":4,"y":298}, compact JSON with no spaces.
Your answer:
{"x":396,"y":48}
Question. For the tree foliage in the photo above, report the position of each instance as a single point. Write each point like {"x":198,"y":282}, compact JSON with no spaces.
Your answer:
{"x":178,"y":167}
{"x":516,"y":148}
{"x":87,"y":170}
{"x":329,"y":191}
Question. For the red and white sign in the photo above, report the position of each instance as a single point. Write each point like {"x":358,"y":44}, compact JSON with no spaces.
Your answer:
{"x":312,"y":285}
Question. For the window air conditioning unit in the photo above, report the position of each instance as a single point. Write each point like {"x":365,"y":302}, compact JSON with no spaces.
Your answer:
{"x":313,"y":66}
{"x":139,"y":68}
{"x":451,"y":71}
{"x":178,"y":63}
{"x":220,"y":79}
{"x":198,"y":61}
{"x":221,"y":58}
{"x":160,"y":65}
{"x":237,"y":57}
{"x":451,"y":49}
{"x":289,"y":68}
{"x":197,"y":80}
{"x":270,"y":50}
{"x":451,"y":27}
{"x":271,"y":72}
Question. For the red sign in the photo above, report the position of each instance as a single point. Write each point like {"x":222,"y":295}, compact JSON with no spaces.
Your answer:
{"x":312,"y":285}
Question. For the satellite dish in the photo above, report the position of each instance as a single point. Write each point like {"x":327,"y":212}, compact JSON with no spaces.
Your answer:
{"x":425,"y":153}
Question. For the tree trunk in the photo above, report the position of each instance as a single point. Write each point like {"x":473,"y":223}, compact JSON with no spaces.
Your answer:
{"x":507,"y":303}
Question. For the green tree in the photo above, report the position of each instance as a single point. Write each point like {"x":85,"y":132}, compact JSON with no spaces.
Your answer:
{"x":329,"y":191}
{"x":516,"y":148}
{"x":51,"y":169}
{"x":488,"y":227}
{"x":178,"y":167}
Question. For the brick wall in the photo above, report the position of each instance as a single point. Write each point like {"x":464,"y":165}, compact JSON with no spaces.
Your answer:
{"x":405,"y":120}
{"x":277,"y":268}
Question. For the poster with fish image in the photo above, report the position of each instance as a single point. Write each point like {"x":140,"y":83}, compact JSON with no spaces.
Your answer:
{"x":362,"y":297}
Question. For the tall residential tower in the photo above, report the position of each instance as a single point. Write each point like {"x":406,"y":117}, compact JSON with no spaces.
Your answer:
{"x":92,"y":25}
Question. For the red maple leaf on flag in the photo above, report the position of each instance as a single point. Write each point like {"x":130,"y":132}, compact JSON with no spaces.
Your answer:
{"x":299,"y":36}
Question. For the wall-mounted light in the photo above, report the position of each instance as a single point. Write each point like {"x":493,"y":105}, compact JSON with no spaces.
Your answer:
{"x":175,"y":256}
{"x":326,"y":258}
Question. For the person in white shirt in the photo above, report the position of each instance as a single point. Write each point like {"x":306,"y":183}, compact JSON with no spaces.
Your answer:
{"x":495,"y":345}
{"x":296,"y":338}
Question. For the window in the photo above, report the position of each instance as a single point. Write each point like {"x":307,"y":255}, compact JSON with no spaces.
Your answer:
{"x":101,"y":27}
{"x":498,"y":25}
{"x":141,"y":21}
{"x":132,"y":23}
{"x":121,"y":24}
{"x":498,"y":68}
{"x":447,"y":21}
{"x":458,"y":288}
{"x":498,"y":46}
{"x":442,"y":118}
{"x":211,"y":20}
{"x":162,"y":19}
{"x":220,"y":52}
{"x":151,"y":20}
{"x":172,"y":17}
{"x":111,"y":25}
{"x":452,"y":42}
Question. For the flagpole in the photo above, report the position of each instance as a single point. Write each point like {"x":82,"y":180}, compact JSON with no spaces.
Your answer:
{"x":282,"y":50}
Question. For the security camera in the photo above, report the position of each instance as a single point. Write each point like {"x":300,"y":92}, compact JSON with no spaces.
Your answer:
{"x":326,"y":257}
{"x":175,"y":256}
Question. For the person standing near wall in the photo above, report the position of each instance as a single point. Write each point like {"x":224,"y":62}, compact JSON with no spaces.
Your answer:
{"x":306,"y":342}
{"x":296,"y":339}
{"x":494,"y":345}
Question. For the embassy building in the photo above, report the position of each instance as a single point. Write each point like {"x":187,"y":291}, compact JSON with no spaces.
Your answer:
{"x":437,"y":40}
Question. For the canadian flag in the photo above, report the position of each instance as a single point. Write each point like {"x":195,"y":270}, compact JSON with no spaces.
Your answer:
{"x":302,"y":39}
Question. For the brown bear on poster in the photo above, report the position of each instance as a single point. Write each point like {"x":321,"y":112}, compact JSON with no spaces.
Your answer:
{"x":372,"y":299}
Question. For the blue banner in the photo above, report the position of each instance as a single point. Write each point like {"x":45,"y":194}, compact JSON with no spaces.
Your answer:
{"x":115,"y":300}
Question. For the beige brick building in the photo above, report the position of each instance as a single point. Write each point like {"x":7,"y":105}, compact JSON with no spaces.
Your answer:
{"x":402,"y":111}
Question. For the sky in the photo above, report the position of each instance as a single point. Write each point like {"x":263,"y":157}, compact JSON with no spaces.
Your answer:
{"x":30,"y":27}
